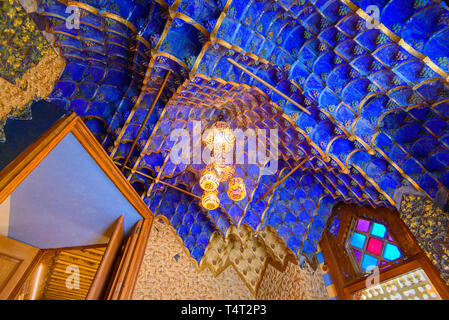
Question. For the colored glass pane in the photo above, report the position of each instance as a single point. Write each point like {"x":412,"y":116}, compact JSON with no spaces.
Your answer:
{"x":369,"y":262}
{"x":371,"y":245}
{"x":374,"y":246}
{"x":358,"y":240}
{"x":391,"y":252}
{"x":363,"y":225}
{"x":357,"y":254}
{"x":378,"y":230}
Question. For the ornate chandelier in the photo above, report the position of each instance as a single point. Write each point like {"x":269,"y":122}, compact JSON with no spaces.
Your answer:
{"x":220,"y":140}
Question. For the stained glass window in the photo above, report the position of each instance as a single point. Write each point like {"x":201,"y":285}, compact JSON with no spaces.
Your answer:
{"x":371,"y":245}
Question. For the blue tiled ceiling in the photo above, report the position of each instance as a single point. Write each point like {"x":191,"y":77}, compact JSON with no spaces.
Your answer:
{"x":377,"y":98}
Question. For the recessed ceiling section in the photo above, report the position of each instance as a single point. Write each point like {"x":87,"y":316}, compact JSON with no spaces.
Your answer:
{"x":359,"y":111}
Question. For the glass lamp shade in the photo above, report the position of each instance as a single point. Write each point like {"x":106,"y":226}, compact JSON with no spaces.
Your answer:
{"x":236,"y":189}
{"x":224,"y":172}
{"x":209,"y":181}
{"x":219,"y":136}
{"x":210,"y":200}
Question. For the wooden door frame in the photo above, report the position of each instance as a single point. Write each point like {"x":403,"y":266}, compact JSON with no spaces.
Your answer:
{"x":17,"y":171}
{"x":23,"y":255}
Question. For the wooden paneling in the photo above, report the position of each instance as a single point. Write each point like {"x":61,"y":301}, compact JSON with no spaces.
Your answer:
{"x":8,"y":266}
{"x":127,"y":268}
{"x":86,"y":259}
{"x":107,"y":263}
{"x":15,"y":258}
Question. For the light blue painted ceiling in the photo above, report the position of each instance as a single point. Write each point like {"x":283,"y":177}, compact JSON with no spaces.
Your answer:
{"x":377,"y":98}
{"x":67,"y":201}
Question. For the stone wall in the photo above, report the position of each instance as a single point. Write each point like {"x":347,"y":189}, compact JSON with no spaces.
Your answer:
{"x":293,"y":283}
{"x":168,"y":273}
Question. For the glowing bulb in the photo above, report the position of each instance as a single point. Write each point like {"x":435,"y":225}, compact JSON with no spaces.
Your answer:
{"x":209,"y":181}
{"x":236,"y":189}
{"x":210,"y":200}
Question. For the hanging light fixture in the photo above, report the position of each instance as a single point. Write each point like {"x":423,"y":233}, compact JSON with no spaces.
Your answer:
{"x":210,"y":200}
{"x":209,"y":180}
{"x":236,"y":189}
{"x":224,"y":172}
{"x":220,"y":138}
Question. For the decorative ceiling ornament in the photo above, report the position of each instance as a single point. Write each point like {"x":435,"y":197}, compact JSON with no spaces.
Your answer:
{"x":224,"y":172}
{"x":236,"y":189}
{"x":210,"y":200}
{"x":220,"y":139}
{"x":336,"y":138}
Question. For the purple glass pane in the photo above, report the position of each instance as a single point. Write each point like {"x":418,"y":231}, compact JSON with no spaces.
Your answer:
{"x":363,"y":225}
{"x":357,"y":254}
{"x":390,"y":238}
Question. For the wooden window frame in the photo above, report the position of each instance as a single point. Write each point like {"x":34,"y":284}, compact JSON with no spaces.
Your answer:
{"x":346,"y":278}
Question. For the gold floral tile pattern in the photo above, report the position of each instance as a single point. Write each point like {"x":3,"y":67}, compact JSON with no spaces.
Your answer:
{"x":22,"y":44}
{"x":29,"y":67}
{"x":429,"y":224}
{"x":37,"y":82}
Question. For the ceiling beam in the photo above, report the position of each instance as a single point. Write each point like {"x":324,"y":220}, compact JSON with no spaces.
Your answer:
{"x":283,"y":179}
{"x":269,"y":86}
{"x":162,"y":182}
{"x":147,"y":116}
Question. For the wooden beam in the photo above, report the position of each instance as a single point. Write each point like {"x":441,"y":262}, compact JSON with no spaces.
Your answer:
{"x":115,"y":290}
{"x":136,"y":260}
{"x":99,"y":284}
{"x":14,"y":173}
{"x":147,"y":116}
{"x":164,"y":183}
{"x":269,"y":86}
{"x":96,"y":151}
{"x":282,"y":180}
